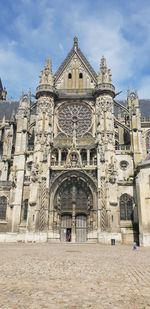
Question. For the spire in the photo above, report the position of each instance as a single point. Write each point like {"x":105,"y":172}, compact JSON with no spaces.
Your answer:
{"x":104,"y":75}
{"x":46,"y":82}
{"x":104,"y":80}
{"x":75,"y":45}
{"x":13,"y":116}
{"x":3,"y":92}
{"x":46,"y":74}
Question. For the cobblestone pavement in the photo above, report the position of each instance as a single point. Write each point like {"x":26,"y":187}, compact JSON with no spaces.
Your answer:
{"x":35,"y":276}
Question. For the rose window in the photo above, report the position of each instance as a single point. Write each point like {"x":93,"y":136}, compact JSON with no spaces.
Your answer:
{"x":77,"y":114}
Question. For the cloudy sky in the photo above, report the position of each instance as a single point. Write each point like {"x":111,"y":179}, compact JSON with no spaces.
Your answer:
{"x":32,"y":30}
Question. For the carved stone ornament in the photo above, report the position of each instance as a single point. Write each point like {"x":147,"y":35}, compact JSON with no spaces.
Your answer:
{"x":104,"y":104}
{"x":46,"y":76}
{"x":112,"y":171}
{"x":133,"y":96}
{"x":35,"y":172}
{"x":104,"y":75}
{"x":124,"y":164}
{"x":71,"y":112}
{"x":45,"y":105}
{"x":73,"y":158}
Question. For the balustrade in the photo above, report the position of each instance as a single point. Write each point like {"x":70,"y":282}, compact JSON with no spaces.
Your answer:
{"x":123,"y":147}
{"x":84,"y":163}
{"x":145,"y":119}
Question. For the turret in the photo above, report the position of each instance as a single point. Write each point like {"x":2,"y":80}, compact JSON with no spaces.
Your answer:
{"x":46,"y":83}
{"x":106,"y":165}
{"x":3,"y":92}
{"x":104,"y":80}
{"x":104,"y":93}
{"x":45,"y":94}
{"x":135,"y":126}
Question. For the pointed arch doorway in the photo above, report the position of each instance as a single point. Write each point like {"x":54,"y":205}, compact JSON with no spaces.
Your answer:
{"x":80,"y":228}
{"x":74,"y":204}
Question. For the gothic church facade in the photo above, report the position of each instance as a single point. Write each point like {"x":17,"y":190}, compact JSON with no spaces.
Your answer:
{"x":74,"y":163}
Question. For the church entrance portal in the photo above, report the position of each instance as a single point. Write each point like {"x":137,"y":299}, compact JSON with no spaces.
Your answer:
{"x":81,"y":230}
{"x":74,"y":208}
{"x":67,"y":228}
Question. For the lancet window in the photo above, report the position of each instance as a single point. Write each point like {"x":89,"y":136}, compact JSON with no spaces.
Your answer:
{"x":3,"y":207}
{"x":24,"y":212}
{"x":126,"y":207}
{"x":148,"y":142}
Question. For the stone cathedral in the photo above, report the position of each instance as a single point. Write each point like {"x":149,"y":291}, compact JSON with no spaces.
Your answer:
{"x":74,"y":162}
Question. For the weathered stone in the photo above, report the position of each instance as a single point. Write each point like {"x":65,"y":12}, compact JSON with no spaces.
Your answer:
{"x":72,"y":162}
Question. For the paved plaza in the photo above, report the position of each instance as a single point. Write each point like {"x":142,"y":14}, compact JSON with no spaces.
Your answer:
{"x":35,"y":276}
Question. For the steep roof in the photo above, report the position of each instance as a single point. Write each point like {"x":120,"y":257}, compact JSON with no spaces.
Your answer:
{"x":75,"y":50}
{"x":7,"y":108}
{"x":1,"y":86}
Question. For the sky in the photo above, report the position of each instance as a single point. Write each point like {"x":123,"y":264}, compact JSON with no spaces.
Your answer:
{"x":33,"y":30}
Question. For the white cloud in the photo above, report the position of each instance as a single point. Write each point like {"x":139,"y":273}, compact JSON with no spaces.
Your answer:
{"x":61,"y":47}
{"x":103,"y":37}
{"x":17,"y":73}
{"x":144,"y":88}
{"x":42,"y":28}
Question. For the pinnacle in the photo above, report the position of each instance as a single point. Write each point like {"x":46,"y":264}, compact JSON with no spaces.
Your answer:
{"x":103,"y":63}
{"x":75,"y":42}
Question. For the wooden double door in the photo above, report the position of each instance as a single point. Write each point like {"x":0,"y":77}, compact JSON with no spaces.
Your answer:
{"x":68,"y":228}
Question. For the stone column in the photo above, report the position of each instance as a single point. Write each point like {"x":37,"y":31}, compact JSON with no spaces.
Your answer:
{"x":59,"y":156}
{"x":73,"y":238}
{"x":88,"y":156}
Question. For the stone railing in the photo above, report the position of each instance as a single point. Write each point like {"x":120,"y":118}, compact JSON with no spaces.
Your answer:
{"x":46,"y":87}
{"x":6,"y":183}
{"x":105,"y":87}
{"x":84,"y":163}
{"x":145,"y":119}
{"x":123,"y":147}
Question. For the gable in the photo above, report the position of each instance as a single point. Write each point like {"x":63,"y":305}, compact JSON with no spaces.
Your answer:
{"x":75,"y":72}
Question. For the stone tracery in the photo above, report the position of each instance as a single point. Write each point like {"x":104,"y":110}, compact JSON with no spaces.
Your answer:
{"x":66,"y":116}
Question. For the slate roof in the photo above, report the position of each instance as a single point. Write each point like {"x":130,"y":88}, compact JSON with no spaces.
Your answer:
{"x":8,"y":107}
{"x":1,"y":86}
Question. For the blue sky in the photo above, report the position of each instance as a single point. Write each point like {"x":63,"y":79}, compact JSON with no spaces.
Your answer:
{"x":32,"y":30}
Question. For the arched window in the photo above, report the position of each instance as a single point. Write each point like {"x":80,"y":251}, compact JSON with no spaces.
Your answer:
{"x":3,"y":207}
{"x":54,"y":157}
{"x":83,"y":154}
{"x":69,"y":76}
{"x":24,"y":211}
{"x":93,"y":157}
{"x":126,"y":207}
{"x":29,"y":166}
{"x":64,"y":155}
{"x":148,"y":141}
{"x":80,"y":75}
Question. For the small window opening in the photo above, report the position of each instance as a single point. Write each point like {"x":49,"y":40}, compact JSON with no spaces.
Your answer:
{"x":69,"y":76}
{"x":80,"y":75}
